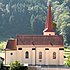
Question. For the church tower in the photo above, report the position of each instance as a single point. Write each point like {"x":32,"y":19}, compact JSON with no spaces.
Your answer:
{"x":49,"y":30}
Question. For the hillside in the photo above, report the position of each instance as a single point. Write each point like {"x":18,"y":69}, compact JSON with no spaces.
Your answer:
{"x":28,"y":17}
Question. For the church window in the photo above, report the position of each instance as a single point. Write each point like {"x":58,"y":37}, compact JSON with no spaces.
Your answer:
{"x":40,"y":55}
{"x":46,"y":48}
{"x":61,"y":48}
{"x":49,"y":34}
{"x":26,"y":54}
{"x":19,"y":48}
{"x":54,"y":55}
{"x":33,"y":48}
{"x":11,"y":53}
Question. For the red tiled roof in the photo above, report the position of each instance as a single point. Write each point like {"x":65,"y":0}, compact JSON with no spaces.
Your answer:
{"x":39,"y":40}
{"x":11,"y":45}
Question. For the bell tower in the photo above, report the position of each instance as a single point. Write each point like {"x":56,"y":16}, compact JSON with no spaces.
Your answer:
{"x":49,"y":30}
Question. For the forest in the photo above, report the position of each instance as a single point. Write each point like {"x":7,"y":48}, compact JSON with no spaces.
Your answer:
{"x":29,"y":16}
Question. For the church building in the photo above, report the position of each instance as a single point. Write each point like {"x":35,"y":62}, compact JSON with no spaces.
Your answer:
{"x":46,"y":49}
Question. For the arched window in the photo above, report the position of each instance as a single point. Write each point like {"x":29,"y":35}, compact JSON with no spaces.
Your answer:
{"x":26,"y":54}
{"x":40,"y":55}
{"x":54,"y":55}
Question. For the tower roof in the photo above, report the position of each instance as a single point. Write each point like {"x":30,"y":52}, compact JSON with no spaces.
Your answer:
{"x":11,"y":45}
{"x":49,"y":25}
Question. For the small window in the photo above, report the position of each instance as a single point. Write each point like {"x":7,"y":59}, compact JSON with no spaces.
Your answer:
{"x":33,"y":48}
{"x":40,"y":55}
{"x":61,"y":48}
{"x":46,"y":48}
{"x":11,"y":53}
{"x":19,"y":48}
{"x":26,"y":54}
{"x":54,"y":55}
{"x":49,"y":34}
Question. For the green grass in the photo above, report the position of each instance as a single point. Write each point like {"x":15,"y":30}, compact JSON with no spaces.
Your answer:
{"x":67,"y":52}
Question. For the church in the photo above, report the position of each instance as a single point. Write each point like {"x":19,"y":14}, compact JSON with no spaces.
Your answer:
{"x":46,"y":49}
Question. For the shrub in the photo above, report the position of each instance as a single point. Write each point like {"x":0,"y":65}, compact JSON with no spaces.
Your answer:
{"x":17,"y":66}
{"x":68,"y":61}
{"x":2,"y":67}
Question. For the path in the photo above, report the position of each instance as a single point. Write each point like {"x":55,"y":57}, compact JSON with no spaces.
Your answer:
{"x":55,"y":68}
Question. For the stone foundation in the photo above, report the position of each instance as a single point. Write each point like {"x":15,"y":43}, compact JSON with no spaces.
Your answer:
{"x":34,"y":67}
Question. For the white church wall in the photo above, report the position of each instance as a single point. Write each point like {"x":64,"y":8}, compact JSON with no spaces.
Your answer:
{"x":61,"y":57}
{"x":19,"y":56}
{"x":33,"y":57}
{"x":46,"y":57}
{"x":40,"y":61}
{"x":27,"y":60}
{"x":48,"y":33}
{"x":51,"y":60}
{"x":10,"y":57}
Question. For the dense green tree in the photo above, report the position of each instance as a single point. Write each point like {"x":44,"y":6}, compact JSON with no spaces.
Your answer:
{"x":61,"y":17}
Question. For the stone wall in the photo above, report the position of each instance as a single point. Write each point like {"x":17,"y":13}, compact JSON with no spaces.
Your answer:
{"x":34,"y":67}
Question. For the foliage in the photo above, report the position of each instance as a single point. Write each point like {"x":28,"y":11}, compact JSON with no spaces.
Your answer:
{"x":17,"y":66}
{"x":68,"y":61}
{"x":2,"y":44}
{"x":2,"y":66}
{"x":61,"y":17}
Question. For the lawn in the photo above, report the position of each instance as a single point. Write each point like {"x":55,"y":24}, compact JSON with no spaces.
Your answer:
{"x":66,"y":52}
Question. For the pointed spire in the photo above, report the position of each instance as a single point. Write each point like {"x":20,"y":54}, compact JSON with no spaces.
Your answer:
{"x":49,"y":25}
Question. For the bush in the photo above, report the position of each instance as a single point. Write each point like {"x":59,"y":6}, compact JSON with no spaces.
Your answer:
{"x":68,"y":61}
{"x":17,"y":66}
{"x":2,"y":67}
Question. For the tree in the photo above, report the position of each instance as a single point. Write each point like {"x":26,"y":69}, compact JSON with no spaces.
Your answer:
{"x":61,"y":17}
